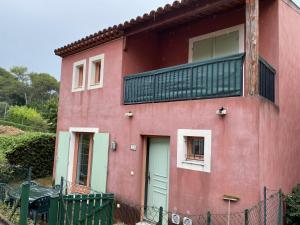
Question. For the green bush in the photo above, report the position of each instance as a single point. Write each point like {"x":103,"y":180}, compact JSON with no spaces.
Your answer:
{"x":293,"y":207}
{"x":35,"y":150}
{"x":26,"y":116}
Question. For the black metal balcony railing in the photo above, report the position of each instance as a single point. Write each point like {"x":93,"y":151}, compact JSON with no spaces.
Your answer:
{"x":221,"y":77}
{"x":266,"y":80}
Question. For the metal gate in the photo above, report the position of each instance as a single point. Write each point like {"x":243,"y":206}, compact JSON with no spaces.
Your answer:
{"x":77,"y":209}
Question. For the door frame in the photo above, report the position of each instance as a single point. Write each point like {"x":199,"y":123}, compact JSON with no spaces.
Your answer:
{"x":144,"y":175}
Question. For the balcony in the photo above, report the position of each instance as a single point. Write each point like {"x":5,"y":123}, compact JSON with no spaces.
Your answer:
{"x":217,"y":78}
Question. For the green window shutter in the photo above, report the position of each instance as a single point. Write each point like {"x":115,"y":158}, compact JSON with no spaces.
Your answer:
{"x":100,"y":162}
{"x":226,"y":44}
{"x":62,"y":157}
{"x":203,"y":49}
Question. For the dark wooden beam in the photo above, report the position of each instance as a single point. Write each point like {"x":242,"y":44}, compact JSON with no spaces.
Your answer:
{"x":207,"y":7}
{"x":252,"y":48}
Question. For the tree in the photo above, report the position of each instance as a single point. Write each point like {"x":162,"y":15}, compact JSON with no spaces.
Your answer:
{"x":10,"y":88}
{"x":42,"y":88}
{"x":21,"y":73}
{"x":38,"y":91}
{"x":50,"y":113}
{"x":22,"y":76}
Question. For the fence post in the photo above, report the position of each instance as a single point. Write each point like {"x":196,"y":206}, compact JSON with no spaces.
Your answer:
{"x":24,"y":203}
{"x":246,"y":216}
{"x":208,"y":218}
{"x":160,"y":217}
{"x":112,"y":209}
{"x":280,"y":207}
{"x":53,"y":211}
{"x":25,"y":200}
{"x":61,"y":203}
{"x":265,"y":205}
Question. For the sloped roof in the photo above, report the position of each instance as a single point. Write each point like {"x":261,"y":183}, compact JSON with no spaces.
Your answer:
{"x":170,"y":14}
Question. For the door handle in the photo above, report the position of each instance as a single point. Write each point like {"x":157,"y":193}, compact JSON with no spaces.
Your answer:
{"x":149,"y":177}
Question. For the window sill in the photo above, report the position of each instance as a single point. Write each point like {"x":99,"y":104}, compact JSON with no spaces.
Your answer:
{"x":77,"y":89}
{"x":194,"y":162}
{"x":95,"y":86}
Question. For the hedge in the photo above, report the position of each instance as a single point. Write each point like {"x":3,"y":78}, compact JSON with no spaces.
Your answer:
{"x":35,"y":150}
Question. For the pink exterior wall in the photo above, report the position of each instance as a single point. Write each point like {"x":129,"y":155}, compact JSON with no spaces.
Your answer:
{"x":245,"y":143}
{"x":279,"y":143}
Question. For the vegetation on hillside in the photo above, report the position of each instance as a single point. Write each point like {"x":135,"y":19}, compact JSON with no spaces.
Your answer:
{"x":28,"y":94}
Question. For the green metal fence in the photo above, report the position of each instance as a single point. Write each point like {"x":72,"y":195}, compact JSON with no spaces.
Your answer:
{"x":266,"y":80}
{"x":221,"y":77}
{"x":14,"y":208}
{"x":78,"y":209}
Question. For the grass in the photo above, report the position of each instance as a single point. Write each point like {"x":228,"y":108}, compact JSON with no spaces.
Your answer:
{"x":6,"y":212}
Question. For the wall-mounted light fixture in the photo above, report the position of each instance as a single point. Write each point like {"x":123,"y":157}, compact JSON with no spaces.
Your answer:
{"x":221,"y":111}
{"x":113,"y":146}
{"x":129,"y":114}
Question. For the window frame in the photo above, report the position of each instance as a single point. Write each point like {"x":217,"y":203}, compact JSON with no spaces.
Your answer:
{"x":92,"y":61}
{"x":74,"y":75}
{"x":189,"y":146}
{"x":76,"y":155}
{"x":197,"y":165}
{"x":240,"y":28}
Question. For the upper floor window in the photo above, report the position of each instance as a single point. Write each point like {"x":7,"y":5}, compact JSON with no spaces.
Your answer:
{"x":78,"y":79}
{"x":221,"y":43}
{"x":96,"y":68}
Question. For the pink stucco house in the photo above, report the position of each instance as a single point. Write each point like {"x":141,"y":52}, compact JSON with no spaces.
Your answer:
{"x":185,"y":104}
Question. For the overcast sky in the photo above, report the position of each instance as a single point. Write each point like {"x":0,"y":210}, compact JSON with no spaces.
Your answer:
{"x":31,"y":29}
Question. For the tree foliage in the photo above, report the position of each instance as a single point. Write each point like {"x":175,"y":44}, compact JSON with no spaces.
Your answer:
{"x":35,"y":90}
{"x":42,"y":88}
{"x":293,"y":207}
{"x":50,"y":113}
{"x":10,"y":88}
{"x":27,"y":116}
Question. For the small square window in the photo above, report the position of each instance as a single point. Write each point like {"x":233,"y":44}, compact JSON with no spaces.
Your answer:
{"x":78,"y":76}
{"x":96,"y":68}
{"x":195,"y":148}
